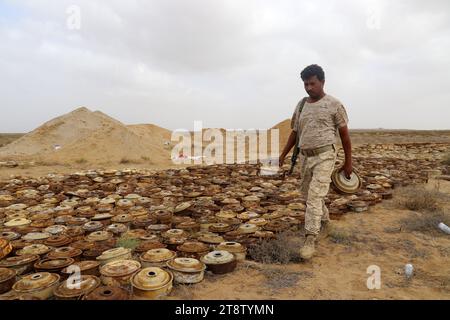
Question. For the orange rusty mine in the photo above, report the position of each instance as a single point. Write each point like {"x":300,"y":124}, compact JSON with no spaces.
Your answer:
{"x":53,"y":265}
{"x":9,"y":235}
{"x":152,"y":283}
{"x":258,"y":221}
{"x":248,"y":228}
{"x":175,"y":233}
{"x":211,"y":238}
{"x":86,"y":267}
{"x":124,"y":219}
{"x":187,"y":270}
{"x":118,"y":273}
{"x":92,"y":226}
{"x":163,"y":216}
{"x":193,"y":249}
{"x":276,"y":226}
{"x":114,"y":254}
{"x":18,"y":223}
{"x":156,"y":257}
{"x":158,"y":228}
{"x":5,"y":248}
{"x":39,"y":249}
{"x":40,"y":285}
{"x":117,"y":228}
{"x":56,"y":229}
{"x":219,"y":261}
{"x":173,"y":243}
{"x":74,"y":289}
{"x":251,"y":202}
{"x":142,"y":222}
{"x":237,"y":249}
{"x":36,"y":237}
{"x":182,"y":207}
{"x":58,"y":241}
{"x":65,"y":252}
{"x":107,"y":293}
{"x":21,"y":264}
{"x":248,"y":215}
{"x":189,"y":226}
{"x":99,"y":236}
{"x":220,"y":227}
{"x":358,"y":206}
{"x":146,"y":245}
{"x":7,"y":279}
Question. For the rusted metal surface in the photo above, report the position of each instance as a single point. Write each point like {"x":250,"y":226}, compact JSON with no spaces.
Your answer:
{"x":7,"y":279}
{"x":75,"y":290}
{"x":219,"y":261}
{"x":152,"y":283}
{"x":40,"y":285}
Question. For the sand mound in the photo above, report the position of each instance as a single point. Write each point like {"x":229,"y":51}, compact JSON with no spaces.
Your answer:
{"x":86,"y":136}
{"x":151,"y":131}
{"x":285,"y":130}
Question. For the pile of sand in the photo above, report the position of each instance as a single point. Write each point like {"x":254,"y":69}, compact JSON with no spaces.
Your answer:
{"x":284,"y":128}
{"x":86,"y":136}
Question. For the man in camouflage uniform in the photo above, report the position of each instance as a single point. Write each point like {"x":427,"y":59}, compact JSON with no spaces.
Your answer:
{"x":317,"y":125}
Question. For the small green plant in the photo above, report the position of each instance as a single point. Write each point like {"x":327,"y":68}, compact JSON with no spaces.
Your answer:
{"x":127,"y":242}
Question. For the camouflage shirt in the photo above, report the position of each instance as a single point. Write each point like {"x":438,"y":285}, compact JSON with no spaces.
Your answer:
{"x":319,"y":122}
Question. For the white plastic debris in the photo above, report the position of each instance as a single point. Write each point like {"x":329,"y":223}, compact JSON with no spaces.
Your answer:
{"x":444,"y":227}
{"x":409,"y":270}
{"x":269,"y":170}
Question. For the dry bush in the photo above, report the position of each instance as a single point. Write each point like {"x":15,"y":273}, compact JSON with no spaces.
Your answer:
{"x":419,"y":199}
{"x":128,"y":161}
{"x":425,"y":222}
{"x":81,"y":161}
{"x":341,"y":236}
{"x":446,"y":159}
{"x":147,"y":159}
{"x":282,"y":250}
{"x":45,"y":163}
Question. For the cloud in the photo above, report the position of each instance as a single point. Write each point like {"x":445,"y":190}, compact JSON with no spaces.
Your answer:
{"x":230,"y":63}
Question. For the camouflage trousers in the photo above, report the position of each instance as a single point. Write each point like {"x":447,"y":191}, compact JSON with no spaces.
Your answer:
{"x":315,"y":173}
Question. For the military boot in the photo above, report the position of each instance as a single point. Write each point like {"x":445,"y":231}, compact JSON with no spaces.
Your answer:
{"x":308,"y":249}
{"x":325,"y":230}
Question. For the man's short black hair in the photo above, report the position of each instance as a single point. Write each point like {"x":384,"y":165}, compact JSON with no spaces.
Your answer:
{"x":313,"y":70}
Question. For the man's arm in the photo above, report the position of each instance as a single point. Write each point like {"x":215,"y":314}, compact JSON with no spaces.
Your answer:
{"x":289,"y":144}
{"x":347,"y":145}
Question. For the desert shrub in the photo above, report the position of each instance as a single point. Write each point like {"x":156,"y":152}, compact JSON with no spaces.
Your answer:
{"x":419,"y":199}
{"x":282,"y":250}
{"x":127,"y":242}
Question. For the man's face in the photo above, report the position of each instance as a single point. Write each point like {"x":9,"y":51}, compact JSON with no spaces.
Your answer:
{"x":314,"y":87}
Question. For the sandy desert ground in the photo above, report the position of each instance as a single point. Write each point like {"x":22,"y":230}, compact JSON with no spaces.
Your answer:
{"x":384,"y":235}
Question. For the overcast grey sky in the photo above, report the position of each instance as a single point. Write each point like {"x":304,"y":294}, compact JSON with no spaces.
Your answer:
{"x":229,"y":63}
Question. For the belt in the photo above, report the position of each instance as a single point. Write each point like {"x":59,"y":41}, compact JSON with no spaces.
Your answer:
{"x":317,"y":151}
